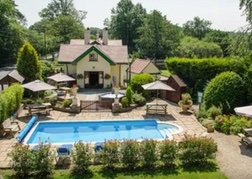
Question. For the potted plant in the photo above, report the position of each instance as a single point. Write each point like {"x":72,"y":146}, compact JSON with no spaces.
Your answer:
{"x":107,"y":76}
{"x":80,"y":76}
{"x":186,"y":102}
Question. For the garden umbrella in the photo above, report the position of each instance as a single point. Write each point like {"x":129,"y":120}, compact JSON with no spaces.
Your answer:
{"x":244,"y":111}
{"x":60,"y":77}
{"x":157,"y":85}
{"x":38,"y":85}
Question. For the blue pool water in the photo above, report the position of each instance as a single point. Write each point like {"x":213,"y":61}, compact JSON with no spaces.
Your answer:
{"x":98,"y":131}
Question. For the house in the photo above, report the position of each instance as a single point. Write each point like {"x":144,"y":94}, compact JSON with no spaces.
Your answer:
{"x":176,"y":83}
{"x":95,"y":63}
{"x":143,"y":66}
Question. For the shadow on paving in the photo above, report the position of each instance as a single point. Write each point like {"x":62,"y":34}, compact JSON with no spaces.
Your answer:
{"x":245,"y":150}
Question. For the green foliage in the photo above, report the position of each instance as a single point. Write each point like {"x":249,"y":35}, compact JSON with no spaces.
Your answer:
{"x":246,"y":6}
{"x":110,"y":153}
{"x":248,"y":84}
{"x":148,"y":152}
{"x":232,"y":124}
{"x":139,"y":99}
{"x":226,"y":91}
{"x":10,"y":100}
{"x":197,"y":72}
{"x":22,"y":160}
{"x":82,"y":156}
{"x":129,"y":94}
{"x":196,"y":150}
{"x":213,"y":111}
{"x":28,"y":64}
{"x":168,"y":151}
{"x":141,"y":79}
{"x":193,"y":48}
{"x":43,"y":161}
{"x":125,"y":102}
{"x":66,"y":103}
{"x":202,"y":114}
{"x":47,"y":69}
{"x":130,"y":153}
{"x":158,"y":38}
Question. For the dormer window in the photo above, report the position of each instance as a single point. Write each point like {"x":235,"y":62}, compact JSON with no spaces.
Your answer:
{"x":93,"y":57}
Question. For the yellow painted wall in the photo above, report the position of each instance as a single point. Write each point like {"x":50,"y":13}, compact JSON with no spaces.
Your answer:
{"x":151,"y":68}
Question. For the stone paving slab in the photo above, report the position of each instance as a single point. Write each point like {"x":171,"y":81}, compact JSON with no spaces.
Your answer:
{"x":187,"y":121}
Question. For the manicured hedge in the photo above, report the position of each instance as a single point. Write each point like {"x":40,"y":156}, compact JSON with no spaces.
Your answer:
{"x":139,"y":80}
{"x":197,"y":72}
{"x":225,"y":91}
{"x":10,"y":100}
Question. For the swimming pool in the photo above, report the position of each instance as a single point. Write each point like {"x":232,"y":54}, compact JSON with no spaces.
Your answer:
{"x":98,"y":131}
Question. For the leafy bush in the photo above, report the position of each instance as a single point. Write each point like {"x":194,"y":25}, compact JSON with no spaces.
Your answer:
{"x":47,"y":69}
{"x":139,"y":80}
{"x":10,"y":100}
{"x":197,"y":72}
{"x":209,"y":124}
{"x":202,"y":114}
{"x":214,"y":111}
{"x":139,"y":99}
{"x":129,"y":94}
{"x":226,"y":91}
{"x":196,"y":150}
{"x":22,"y":160}
{"x":148,"y":152}
{"x":248,"y":83}
{"x":232,"y":124}
{"x":130,"y":153}
{"x":125,"y":102}
{"x":43,"y":161}
{"x":168,"y":151}
{"x":82,"y":156}
{"x":66,"y":103}
{"x":110,"y":153}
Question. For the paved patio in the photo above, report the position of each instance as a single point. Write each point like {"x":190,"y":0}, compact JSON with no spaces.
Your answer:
{"x":187,"y":121}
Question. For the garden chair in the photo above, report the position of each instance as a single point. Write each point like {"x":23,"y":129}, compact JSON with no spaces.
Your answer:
{"x":10,"y":126}
{"x":64,"y":154}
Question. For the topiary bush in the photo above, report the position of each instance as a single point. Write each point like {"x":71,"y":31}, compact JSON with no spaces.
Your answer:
{"x":148,"y":152}
{"x":139,"y":99}
{"x":125,"y":102}
{"x":196,"y":150}
{"x":226,"y":91}
{"x":82,"y":156}
{"x":141,"y":79}
{"x":130,"y":153}
{"x":168,"y":151}
{"x":129,"y":94}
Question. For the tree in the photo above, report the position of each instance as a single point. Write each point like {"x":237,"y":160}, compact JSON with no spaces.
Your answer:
{"x":197,"y":28}
{"x":62,"y":7}
{"x":223,"y":39}
{"x":28,"y":64}
{"x":10,"y":31}
{"x":158,"y":38}
{"x":246,"y":5}
{"x":126,"y":18}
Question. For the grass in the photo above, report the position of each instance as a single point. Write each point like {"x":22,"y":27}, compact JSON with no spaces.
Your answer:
{"x":165,"y":73}
{"x":97,"y":172}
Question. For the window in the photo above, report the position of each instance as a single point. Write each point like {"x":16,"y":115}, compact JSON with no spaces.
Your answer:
{"x":93,"y":57}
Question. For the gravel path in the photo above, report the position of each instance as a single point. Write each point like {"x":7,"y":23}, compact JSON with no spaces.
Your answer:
{"x":233,"y":158}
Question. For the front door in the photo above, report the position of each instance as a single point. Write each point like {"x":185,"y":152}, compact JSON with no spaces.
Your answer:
{"x":93,"y":79}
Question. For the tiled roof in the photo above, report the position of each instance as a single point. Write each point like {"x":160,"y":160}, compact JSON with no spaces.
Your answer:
{"x":178,"y":81}
{"x":68,"y":52}
{"x":139,"y":65}
{"x":11,"y":73}
{"x":81,"y":42}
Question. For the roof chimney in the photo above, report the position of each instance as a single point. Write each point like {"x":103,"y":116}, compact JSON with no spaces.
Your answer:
{"x":87,"y":36}
{"x":105,"y":36}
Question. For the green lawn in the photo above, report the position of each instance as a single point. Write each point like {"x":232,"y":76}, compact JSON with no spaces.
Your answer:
{"x":97,"y":172}
{"x":165,"y":73}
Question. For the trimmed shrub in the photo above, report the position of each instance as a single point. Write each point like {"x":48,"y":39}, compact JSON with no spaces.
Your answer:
{"x":197,"y":72}
{"x":148,"y":152}
{"x":139,"y":99}
{"x":10,"y":100}
{"x":129,"y":93}
{"x":139,"y":80}
{"x":22,"y":160}
{"x":82,"y":156}
{"x":226,"y":91}
{"x":110,"y":153}
{"x":213,"y":111}
{"x":66,"y":103}
{"x":168,"y":151}
{"x":125,"y":102}
{"x":130,"y":153}
{"x":43,"y":161}
{"x":196,"y":150}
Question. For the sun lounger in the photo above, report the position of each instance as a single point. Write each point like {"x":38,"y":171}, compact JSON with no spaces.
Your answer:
{"x":63,"y":153}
